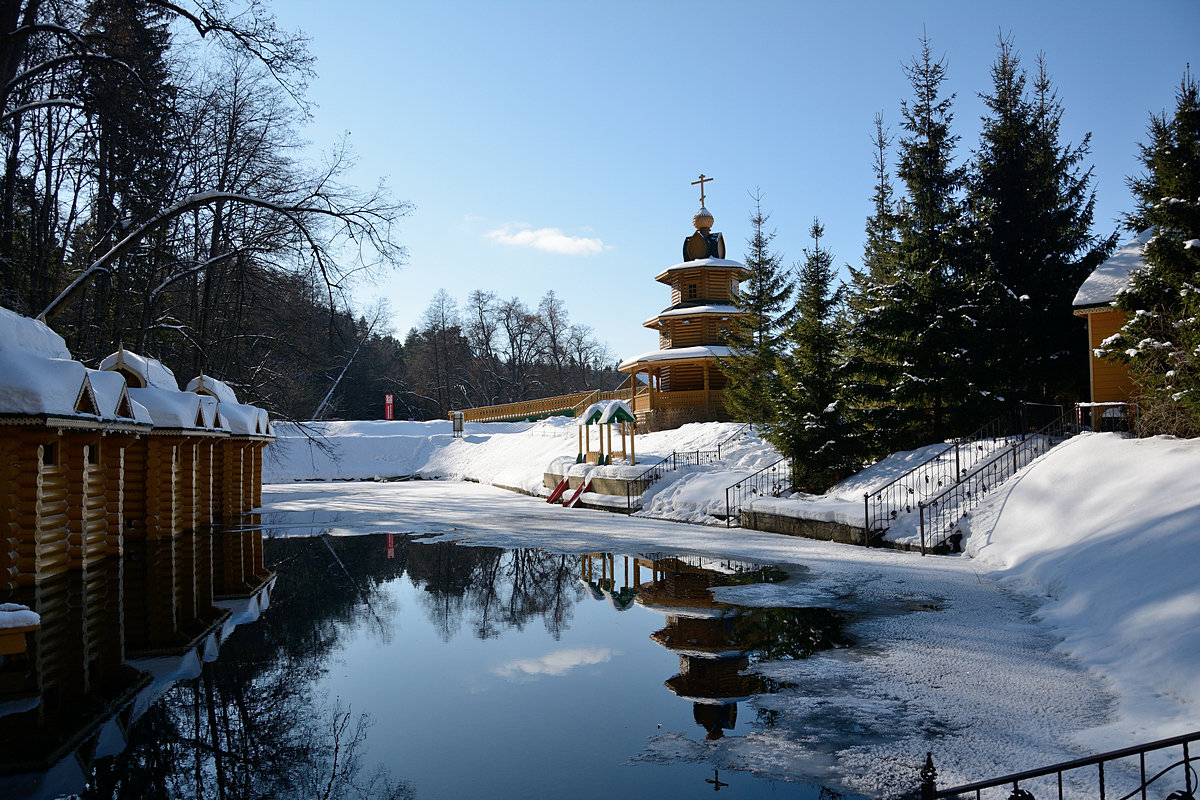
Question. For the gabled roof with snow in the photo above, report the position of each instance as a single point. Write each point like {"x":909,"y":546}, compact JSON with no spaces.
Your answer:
{"x":39,"y":379}
{"x":1110,"y":278}
{"x":678,"y":354}
{"x":140,"y":371}
{"x":172,"y":410}
{"x":604,"y":412}
{"x":207,"y":384}
{"x":245,"y":420}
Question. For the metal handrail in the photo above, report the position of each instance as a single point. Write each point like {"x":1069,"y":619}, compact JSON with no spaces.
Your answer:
{"x":929,"y":790}
{"x":685,"y":458}
{"x":773,"y":479}
{"x":884,"y":504}
{"x":941,"y":512}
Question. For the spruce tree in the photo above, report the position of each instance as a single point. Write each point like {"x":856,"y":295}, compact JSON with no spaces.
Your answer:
{"x":912,"y":345}
{"x":865,"y":381}
{"x":1161,"y":341}
{"x":754,"y":334}
{"x":1031,"y":246}
{"x":811,"y":426}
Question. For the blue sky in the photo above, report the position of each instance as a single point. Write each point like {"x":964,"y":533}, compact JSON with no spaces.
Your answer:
{"x":551,"y":145}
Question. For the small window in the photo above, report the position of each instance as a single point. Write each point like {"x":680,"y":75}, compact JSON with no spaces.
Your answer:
{"x":49,"y":454}
{"x":691,"y":293}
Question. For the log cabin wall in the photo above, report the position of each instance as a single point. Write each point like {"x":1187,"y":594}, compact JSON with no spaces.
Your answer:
{"x":10,"y":530}
{"x":41,"y":510}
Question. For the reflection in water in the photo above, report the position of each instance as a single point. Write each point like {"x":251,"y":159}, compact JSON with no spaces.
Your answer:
{"x":715,"y":641}
{"x":161,"y":697}
{"x":121,"y":693}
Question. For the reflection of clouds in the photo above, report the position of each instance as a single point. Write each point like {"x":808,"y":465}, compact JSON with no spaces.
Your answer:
{"x":558,"y":663}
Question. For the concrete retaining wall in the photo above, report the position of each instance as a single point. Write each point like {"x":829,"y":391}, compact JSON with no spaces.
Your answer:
{"x":808,"y":528}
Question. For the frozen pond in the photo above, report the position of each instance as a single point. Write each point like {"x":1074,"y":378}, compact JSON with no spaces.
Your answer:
{"x":513,"y":648}
{"x":518,"y":673}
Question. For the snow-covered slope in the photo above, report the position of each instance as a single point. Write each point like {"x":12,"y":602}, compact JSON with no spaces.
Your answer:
{"x":1106,"y":531}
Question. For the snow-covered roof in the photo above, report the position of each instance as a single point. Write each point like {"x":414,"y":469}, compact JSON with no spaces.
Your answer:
{"x":678,"y":353}
{"x":38,"y":378}
{"x":700,"y":352}
{"x":711,"y":263}
{"x":604,"y":412}
{"x":687,"y":311}
{"x":245,"y":420}
{"x":30,"y":336}
{"x":112,"y":398}
{"x":173,"y":410}
{"x":149,"y":372}
{"x":1108,"y":279}
{"x":206,"y":384}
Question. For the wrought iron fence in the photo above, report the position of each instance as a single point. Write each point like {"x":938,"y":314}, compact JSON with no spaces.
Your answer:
{"x":637,"y":487}
{"x":942,"y":511}
{"x":1129,"y":774}
{"x":770,"y":481}
{"x":933,"y":475}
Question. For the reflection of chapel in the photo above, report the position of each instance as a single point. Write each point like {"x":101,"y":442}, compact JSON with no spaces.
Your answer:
{"x":683,"y":379}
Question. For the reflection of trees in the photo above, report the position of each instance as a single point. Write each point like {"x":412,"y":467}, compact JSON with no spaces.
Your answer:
{"x":493,"y":589}
{"x":250,"y":725}
{"x":768,"y":634}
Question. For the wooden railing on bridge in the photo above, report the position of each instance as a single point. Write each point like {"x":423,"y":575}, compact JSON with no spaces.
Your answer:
{"x":571,"y":404}
{"x":565,"y":405}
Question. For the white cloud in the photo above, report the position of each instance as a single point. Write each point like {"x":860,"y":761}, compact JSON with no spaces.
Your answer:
{"x":551,"y":240}
{"x":558,"y":663}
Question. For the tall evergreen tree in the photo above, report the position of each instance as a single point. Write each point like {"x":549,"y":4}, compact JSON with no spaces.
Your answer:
{"x":865,"y":381}
{"x":754,"y":337}
{"x":880,"y":249}
{"x":810,"y":425}
{"x":1031,"y":210}
{"x":911,"y":346}
{"x":1161,"y":340}
{"x":130,"y":97}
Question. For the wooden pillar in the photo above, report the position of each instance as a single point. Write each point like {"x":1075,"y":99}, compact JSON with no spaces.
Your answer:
{"x":632,"y":448}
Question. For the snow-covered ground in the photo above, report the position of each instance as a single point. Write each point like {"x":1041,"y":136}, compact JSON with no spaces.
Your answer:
{"x":1071,"y":625}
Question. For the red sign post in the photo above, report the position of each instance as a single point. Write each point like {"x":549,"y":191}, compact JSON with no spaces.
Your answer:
{"x":391,"y":541}
{"x":388,"y":408}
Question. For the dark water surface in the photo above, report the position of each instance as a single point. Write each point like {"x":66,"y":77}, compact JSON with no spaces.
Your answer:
{"x":435,"y":670}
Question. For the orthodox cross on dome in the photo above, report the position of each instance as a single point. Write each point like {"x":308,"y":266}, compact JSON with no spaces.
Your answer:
{"x":703,"y":180}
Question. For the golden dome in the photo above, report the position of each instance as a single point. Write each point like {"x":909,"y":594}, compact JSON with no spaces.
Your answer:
{"x":703,"y":220}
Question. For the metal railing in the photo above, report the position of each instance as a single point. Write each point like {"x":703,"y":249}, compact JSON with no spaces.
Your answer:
{"x":773,"y":480}
{"x":1181,"y":773}
{"x":941,"y":512}
{"x":635,"y":488}
{"x":932,"y":475}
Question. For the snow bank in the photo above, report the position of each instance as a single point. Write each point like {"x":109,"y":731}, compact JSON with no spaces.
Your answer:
{"x":1106,"y":531}
{"x":514,"y":455}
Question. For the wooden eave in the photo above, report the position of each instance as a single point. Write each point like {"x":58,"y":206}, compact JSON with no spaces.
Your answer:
{"x":663,"y":315}
{"x":665,"y":276}
{"x":655,"y":363}
{"x":74,"y":423}
{"x":190,"y":433}
{"x":1083,"y":311}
